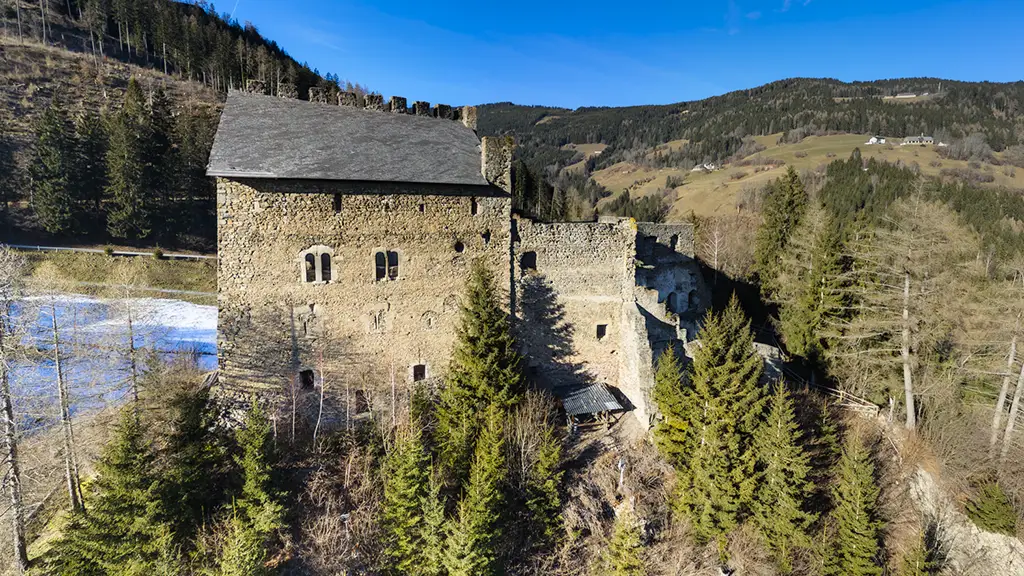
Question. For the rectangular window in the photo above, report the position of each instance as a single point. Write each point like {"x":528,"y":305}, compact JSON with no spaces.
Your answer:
{"x":419,"y":372}
{"x":602,"y":331}
{"x":474,"y":208}
{"x":337,"y":203}
{"x":528,"y":261}
{"x":380,"y":265}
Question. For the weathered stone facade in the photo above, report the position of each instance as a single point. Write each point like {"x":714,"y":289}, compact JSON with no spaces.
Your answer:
{"x":361,"y":279}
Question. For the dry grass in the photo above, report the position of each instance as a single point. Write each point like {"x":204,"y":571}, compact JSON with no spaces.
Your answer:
{"x":197,"y":276}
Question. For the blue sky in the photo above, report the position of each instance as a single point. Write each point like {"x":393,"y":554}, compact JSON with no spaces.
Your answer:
{"x":573,"y":53}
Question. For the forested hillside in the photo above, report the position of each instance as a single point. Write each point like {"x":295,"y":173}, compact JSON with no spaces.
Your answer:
{"x":714,"y":127}
{"x":65,"y":100}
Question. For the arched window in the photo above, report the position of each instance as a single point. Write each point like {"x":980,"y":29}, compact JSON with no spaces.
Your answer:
{"x":325,"y":267}
{"x":380,"y":266}
{"x":392,"y":265}
{"x":672,"y":303}
{"x":691,"y":300}
{"x":317,"y":265}
{"x":310,"y":268}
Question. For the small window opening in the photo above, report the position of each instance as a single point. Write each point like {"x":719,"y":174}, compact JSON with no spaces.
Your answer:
{"x":325,"y":267}
{"x":381,"y":265}
{"x":392,"y":265}
{"x":486,"y":236}
{"x":672,"y":303}
{"x":691,"y":300}
{"x":337,"y":203}
{"x":419,"y":372}
{"x":474,"y":208}
{"x":306,"y":379}
{"x":310,"y":268}
{"x":673,"y":241}
{"x":602,"y":331}
{"x":423,"y":207}
{"x":459,"y":247}
{"x":528,"y":261}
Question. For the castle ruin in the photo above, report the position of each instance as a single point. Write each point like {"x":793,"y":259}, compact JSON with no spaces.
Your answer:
{"x":346,"y":231}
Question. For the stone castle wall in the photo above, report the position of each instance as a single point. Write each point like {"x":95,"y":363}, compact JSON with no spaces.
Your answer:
{"x":273,"y":325}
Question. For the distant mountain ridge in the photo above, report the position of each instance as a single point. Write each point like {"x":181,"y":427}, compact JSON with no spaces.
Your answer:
{"x":715,"y":126}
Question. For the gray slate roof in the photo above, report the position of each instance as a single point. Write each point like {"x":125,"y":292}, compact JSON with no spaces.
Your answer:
{"x":269,"y":137}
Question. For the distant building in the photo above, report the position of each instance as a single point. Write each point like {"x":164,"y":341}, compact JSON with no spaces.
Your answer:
{"x":920,"y":140}
{"x":705,"y":167}
{"x":875,"y":140}
{"x":906,"y":95}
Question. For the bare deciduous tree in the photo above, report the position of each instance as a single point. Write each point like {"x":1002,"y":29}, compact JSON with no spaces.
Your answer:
{"x":11,"y":270}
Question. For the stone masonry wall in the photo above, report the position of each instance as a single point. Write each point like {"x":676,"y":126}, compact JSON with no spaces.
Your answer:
{"x":272,"y":324}
{"x":581,"y":278}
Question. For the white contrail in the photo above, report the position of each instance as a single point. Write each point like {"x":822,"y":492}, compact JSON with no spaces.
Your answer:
{"x":233,"y":9}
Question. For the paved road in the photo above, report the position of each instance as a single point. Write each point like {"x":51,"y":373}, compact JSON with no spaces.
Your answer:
{"x":168,"y":255}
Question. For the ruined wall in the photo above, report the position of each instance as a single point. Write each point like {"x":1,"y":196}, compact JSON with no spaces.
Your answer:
{"x":272,"y":324}
{"x":570,"y":279}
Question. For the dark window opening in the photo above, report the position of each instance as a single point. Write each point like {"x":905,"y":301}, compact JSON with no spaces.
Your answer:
{"x":306,"y":379}
{"x":474,"y":208}
{"x":528,"y":261}
{"x":392,"y":265}
{"x":486,"y":236}
{"x":691,"y":300}
{"x":381,"y":265}
{"x":337,"y":203}
{"x":673,"y":241}
{"x":459,"y":246}
{"x":602,"y":331}
{"x":673,"y":303}
{"x":423,"y":207}
{"x":419,"y":372}
{"x":325,"y":267}
{"x":310,"y":268}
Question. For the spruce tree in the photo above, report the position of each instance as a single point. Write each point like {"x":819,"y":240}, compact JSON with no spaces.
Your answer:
{"x":473,"y":536}
{"x":52,"y":170}
{"x":855,"y":545}
{"x":919,"y":560}
{"x":194,"y":452}
{"x":784,"y":206}
{"x":623,"y":555}
{"x":128,"y":168}
{"x":485,"y":370}
{"x":162,"y":165}
{"x":405,"y":473}
{"x":10,"y":179}
{"x":257,"y":512}
{"x":672,"y":432}
{"x":432,"y":506}
{"x":782,"y":486}
{"x":122,"y":533}
{"x":726,"y":405}
{"x":91,"y":171}
{"x":543,"y":502}
{"x":991,"y":510}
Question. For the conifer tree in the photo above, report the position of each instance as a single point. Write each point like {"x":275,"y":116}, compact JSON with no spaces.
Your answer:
{"x":257,"y":511}
{"x":726,"y":402}
{"x":623,"y":555}
{"x":10,"y":180}
{"x":784,"y":206}
{"x":194,"y":452}
{"x":52,"y":170}
{"x":432,"y":507}
{"x":473,"y":536}
{"x":672,"y":433}
{"x":484,"y":371}
{"x":919,"y":561}
{"x":782,"y":487}
{"x":543,"y":502}
{"x":855,"y":545}
{"x":162,"y":164}
{"x":122,"y":532}
{"x":128,"y":168}
{"x":405,"y":487}
{"x":91,"y":170}
{"x":991,"y":510}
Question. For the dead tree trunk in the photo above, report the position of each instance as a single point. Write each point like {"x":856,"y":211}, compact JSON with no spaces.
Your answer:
{"x":132,"y":360}
{"x":11,"y":445}
{"x":17,"y":9}
{"x":42,"y":14}
{"x":1014,"y":411}
{"x":1004,"y":390}
{"x":908,"y":377}
{"x":70,"y":464}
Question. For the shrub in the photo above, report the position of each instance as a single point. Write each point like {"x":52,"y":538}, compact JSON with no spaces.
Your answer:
{"x":674,"y":181}
{"x":991,"y":510}
{"x":970,"y":176}
{"x":935,"y":164}
{"x":1009,"y":171}
{"x":974,"y":165}
{"x":108,"y":250}
{"x":801,"y":154}
{"x":1015,"y":155}
{"x":158,"y":254}
{"x":737,"y":174}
